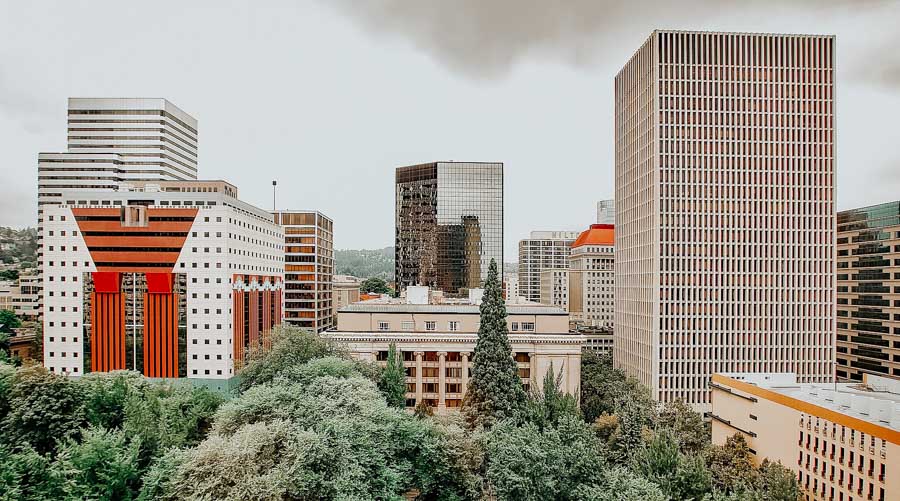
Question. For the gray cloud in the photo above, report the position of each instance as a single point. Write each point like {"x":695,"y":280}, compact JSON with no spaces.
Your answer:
{"x":487,"y":39}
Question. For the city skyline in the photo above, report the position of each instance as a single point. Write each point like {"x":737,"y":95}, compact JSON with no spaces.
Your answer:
{"x":524,"y":131}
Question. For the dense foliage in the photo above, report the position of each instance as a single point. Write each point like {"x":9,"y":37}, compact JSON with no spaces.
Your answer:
{"x":365,"y":263}
{"x":375,"y":285}
{"x":310,"y":423}
{"x":22,"y":251}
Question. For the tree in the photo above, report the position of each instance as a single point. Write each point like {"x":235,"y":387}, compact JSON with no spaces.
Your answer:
{"x":9,"y":321}
{"x":603,"y":387}
{"x":731,"y":465}
{"x":393,"y":380}
{"x":374,"y":285}
{"x":290,"y":346}
{"x":777,"y":482}
{"x":103,"y":465}
{"x":43,"y":408}
{"x":547,"y":403}
{"x":677,"y":475}
{"x":686,"y":424}
{"x":9,"y":275}
{"x":495,"y":391}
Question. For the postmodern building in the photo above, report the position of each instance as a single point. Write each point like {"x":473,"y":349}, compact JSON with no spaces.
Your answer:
{"x":725,"y":220}
{"x":346,"y":291}
{"x":117,"y":140}
{"x":542,"y":250}
{"x":436,"y":338}
{"x":592,"y":278}
{"x":868,"y":292}
{"x":842,"y":440}
{"x":606,"y":212}
{"x":170,"y":279}
{"x":449,"y":224}
{"x":555,"y":288}
{"x":308,"y":268}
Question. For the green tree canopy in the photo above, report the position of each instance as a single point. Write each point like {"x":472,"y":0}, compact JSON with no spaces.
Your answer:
{"x":374,"y":285}
{"x":393,"y":379}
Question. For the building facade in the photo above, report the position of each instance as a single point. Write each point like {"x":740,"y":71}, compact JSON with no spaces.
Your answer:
{"x":592,"y":278}
{"x":171,"y":279}
{"x":606,"y":212}
{"x":725,"y":221}
{"x":841,"y":440}
{"x":22,"y":296}
{"x":868,"y":292}
{"x":308,"y":269}
{"x":117,"y":140}
{"x":555,"y":288}
{"x":449,"y":224}
{"x":346,"y":291}
{"x":542,"y":250}
{"x":436,"y":339}
{"x":511,"y":286}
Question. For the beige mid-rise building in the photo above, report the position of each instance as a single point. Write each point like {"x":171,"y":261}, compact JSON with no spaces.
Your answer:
{"x":542,"y":250}
{"x":725,"y":215}
{"x":555,"y":288}
{"x":592,"y":278}
{"x":842,"y":440}
{"x":436,"y":338}
{"x":345,"y":289}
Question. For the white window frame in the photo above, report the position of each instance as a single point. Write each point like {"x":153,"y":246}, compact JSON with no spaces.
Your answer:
{"x":528,"y":326}
{"x":430,"y":325}
{"x":408,"y":325}
{"x":453,"y":325}
{"x":384,"y":325}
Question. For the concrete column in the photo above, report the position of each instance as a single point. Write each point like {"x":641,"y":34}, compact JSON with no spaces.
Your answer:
{"x":465,"y":372}
{"x":442,"y":379}
{"x":419,"y":355}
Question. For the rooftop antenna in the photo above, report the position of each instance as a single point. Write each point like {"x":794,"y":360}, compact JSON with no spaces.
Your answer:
{"x":274,"y":183}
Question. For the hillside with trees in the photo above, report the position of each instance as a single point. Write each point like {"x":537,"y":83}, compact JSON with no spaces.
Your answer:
{"x":18,"y":247}
{"x":365,"y":263}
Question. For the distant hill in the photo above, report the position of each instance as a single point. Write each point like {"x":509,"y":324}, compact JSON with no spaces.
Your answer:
{"x":18,"y":247}
{"x":365,"y":263}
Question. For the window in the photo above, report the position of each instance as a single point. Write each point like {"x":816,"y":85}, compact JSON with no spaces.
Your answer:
{"x":514,"y":326}
{"x":407,"y":325}
{"x":453,"y":325}
{"x":528,"y":326}
{"x":430,"y":326}
{"x":383,"y":326}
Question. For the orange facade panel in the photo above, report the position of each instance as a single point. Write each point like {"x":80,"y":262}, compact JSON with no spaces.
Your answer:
{"x":161,"y":335}
{"x":107,"y":331}
{"x":153,"y":226}
{"x":142,"y":241}
{"x":134,"y":257}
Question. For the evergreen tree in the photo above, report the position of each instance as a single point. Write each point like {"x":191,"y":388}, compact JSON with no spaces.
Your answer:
{"x":495,"y":391}
{"x":393,"y":380}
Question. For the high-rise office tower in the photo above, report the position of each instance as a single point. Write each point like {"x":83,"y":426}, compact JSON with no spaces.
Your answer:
{"x":449,"y":224}
{"x":308,"y":268}
{"x":542,"y":250}
{"x":868,"y":280}
{"x":725,"y":221}
{"x":606,"y":212}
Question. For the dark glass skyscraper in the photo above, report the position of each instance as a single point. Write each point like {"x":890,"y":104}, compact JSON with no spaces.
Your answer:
{"x":868,"y":283}
{"x":449,"y":224}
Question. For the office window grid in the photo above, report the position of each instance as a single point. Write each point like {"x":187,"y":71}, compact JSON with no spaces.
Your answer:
{"x":725,"y":170}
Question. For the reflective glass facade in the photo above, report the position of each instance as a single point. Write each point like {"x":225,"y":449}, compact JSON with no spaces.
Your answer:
{"x":868,"y":294}
{"x":449,"y":224}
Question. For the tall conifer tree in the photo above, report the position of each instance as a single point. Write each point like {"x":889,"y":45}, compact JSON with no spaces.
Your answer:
{"x":495,"y":391}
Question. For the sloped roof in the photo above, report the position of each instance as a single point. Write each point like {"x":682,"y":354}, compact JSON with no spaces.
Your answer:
{"x":597,"y":234}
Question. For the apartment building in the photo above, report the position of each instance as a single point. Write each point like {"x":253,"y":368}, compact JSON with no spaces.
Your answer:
{"x":725,"y":219}
{"x":511,"y":286}
{"x":308,"y":268}
{"x":171,"y":279}
{"x":592,"y":278}
{"x":842,"y":440}
{"x":542,"y":250}
{"x":449,"y":224}
{"x":21,"y":296}
{"x":436,"y":337}
{"x":868,"y":292}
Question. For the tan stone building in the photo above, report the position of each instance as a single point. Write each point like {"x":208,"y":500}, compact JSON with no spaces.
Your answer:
{"x":436,"y":338}
{"x":842,"y":440}
{"x":345,"y":289}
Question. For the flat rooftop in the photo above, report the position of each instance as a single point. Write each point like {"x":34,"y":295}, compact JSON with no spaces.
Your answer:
{"x":875,"y":400}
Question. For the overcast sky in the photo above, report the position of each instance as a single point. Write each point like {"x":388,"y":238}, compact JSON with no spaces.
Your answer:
{"x":329,"y":96}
